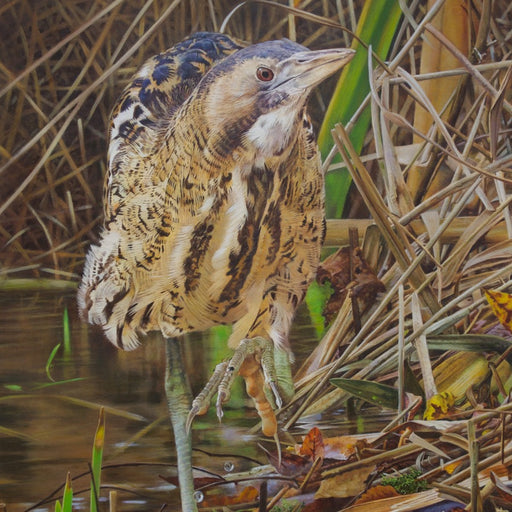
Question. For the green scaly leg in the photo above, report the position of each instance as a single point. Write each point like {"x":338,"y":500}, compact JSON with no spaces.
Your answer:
{"x":179,"y":398}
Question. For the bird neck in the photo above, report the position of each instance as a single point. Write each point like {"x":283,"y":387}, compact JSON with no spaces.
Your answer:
{"x":246,"y":141}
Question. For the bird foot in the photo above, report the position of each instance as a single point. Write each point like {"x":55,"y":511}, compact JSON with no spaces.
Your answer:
{"x":253,"y":359}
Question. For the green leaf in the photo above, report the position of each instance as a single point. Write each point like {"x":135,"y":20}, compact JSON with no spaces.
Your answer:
{"x":376,"y":27}
{"x":373,"y":392}
{"x":67,"y":498}
{"x":49,"y":362}
{"x":411,"y":383}
{"x":66,"y":331}
{"x":470,"y":343}
{"x":58,"y":383}
{"x":317,"y":296}
{"x":97,"y":458}
{"x":13,"y":387}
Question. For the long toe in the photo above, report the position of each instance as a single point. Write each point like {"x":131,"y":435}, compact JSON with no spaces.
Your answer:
{"x":253,"y":359}
{"x":201,"y":403}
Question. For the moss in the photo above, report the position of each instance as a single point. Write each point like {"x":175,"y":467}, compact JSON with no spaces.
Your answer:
{"x":407,"y":483}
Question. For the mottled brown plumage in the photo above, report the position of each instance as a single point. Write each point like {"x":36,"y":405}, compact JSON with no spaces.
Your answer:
{"x":214,"y":197}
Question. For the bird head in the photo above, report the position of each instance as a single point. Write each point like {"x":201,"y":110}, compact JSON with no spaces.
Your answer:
{"x":256,"y":96}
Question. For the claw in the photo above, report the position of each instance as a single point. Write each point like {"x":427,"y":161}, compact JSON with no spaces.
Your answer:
{"x":220,"y":412}
{"x":277,"y":396}
{"x":190,"y":418}
{"x":269,"y":372}
{"x":279,"y":453}
{"x":202,"y":401}
{"x":254,"y":361}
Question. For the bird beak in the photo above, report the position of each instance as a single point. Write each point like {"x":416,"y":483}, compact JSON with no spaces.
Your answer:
{"x":304,"y":70}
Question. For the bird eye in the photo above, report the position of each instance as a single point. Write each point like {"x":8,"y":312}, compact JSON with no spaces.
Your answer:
{"x":264,"y":74}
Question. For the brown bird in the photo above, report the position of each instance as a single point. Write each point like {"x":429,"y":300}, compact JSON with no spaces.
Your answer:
{"x":214,"y":205}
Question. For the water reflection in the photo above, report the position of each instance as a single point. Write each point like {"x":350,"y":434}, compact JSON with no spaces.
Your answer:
{"x":49,"y":426}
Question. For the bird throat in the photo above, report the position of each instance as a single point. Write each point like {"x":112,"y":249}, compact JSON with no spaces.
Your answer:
{"x":271,"y":133}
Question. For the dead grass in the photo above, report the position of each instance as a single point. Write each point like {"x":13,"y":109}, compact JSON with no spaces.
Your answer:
{"x":63,"y":64}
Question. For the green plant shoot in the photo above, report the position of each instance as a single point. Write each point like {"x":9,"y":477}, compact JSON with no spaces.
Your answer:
{"x":97,"y":458}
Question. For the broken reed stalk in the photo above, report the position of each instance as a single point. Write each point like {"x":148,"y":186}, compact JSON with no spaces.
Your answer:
{"x":337,"y":234}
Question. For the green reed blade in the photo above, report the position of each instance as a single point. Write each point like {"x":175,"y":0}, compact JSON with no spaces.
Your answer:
{"x":97,"y":458}
{"x":67,"y":498}
{"x":376,"y":27}
{"x":373,"y":392}
{"x":66,"y":331}
{"x":49,"y":361}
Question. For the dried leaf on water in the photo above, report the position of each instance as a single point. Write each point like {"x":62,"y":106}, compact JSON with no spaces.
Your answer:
{"x":290,"y":464}
{"x":342,"y":447}
{"x":248,"y":494}
{"x":336,"y":448}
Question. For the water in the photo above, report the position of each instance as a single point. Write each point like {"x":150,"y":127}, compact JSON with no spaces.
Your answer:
{"x":51,"y":424}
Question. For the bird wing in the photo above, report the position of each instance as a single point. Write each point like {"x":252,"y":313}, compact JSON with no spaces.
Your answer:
{"x":147,"y":106}
{"x":136,"y":217}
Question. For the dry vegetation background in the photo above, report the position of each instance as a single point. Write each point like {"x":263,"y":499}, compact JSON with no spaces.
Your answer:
{"x":62,"y":65}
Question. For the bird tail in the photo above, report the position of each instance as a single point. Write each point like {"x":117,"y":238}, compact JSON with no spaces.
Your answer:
{"x":106,"y":293}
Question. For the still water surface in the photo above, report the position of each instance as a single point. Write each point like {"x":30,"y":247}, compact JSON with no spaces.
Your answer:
{"x":46,"y":428}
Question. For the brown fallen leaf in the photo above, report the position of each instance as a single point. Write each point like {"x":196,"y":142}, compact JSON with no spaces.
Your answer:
{"x":324,"y":505}
{"x":312,"y":445}
{"x":289,"y":464}
{"x":247,"y":495}
{"x":363,"y":282}
{"x":342,"y":447}
{"x":378,"y":492}
{"x":501,"y":489}
{"x":346,"y":484}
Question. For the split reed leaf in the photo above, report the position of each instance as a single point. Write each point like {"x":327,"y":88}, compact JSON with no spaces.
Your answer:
{"x":66,"y":335}
{"x":49,"y":362}
{"x":470,"y":342}
{"x":373,"y":392}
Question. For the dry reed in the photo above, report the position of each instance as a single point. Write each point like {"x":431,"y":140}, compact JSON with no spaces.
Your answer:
{"x":62,"y":65}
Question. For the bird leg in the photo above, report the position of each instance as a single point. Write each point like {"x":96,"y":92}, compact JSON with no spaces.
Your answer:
{"x":253,"y":359}
{"x":178,"y":398}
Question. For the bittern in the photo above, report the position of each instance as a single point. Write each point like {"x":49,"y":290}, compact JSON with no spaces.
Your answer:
{"x":214,"y":209}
